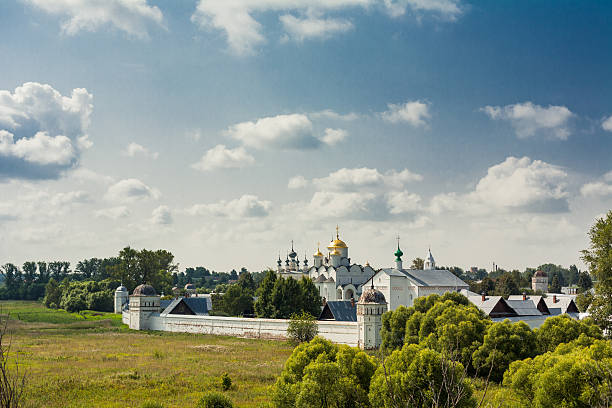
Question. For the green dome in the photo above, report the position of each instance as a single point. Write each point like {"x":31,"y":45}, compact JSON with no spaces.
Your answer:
{"x":398,"y":253}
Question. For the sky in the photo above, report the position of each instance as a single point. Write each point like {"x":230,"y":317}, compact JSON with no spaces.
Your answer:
{"x":223,"y":130}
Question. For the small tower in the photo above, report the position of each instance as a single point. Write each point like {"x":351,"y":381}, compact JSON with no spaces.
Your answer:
{"x":121,"y":298}
{"x":318,"y":257}
{"x":398,"y":257}
{"x":280,"y":264}
{"x":144,"y":302}
{"x":305,"y":263}
{"x":370,"y":308}
{"x":539,"y":282}
{"x":430,"y":263}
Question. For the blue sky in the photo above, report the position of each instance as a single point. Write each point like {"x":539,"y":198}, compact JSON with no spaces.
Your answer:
{"x":222,"y":130}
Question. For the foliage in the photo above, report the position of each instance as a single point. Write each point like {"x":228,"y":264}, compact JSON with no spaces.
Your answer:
{"x":584,"y":300}
{"x":151,"y":404}
{"x":555,"y":285}
{"x":574,"y":375}
{"x":236,"y":301}
{"x":152,"y":267}
{"x":279,"y":298}
{"x":302,"y":327}
{"x":323,"y":374}
{"x":506,"y":285}
{"x":12,"y":377}
{"x":417,"y":263}
{"x":215,"y":400}
{"x":504,"y":343}
{"x":77,"y":296}
{"x":394,"y":327}
{"x":53,"y":294}
{"x":599,"y":260}
{"x":263,"y":304}
{"x":226,"y":382}
{"x":417,"y":376}
{"x":563,"y":329}
{"x":584,"y":281}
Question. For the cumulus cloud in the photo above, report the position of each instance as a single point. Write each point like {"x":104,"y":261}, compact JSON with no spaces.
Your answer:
{"x":529,"y":119}
{"x":135,"y":149}
{"x":350,"y":179}
{"x":331,"y":204}
{"x":297,"y":182}
{"x":403,"y":202}
{"x":301,"y":29}
{"x":244,"y":33}
{"x":70,"y":197}
{"x":247,"y":206}
{"x":42,"y":133}
{"x":162,"y":215}
{"x":334,"y":136}
{"x":515,"y":185}
{"x":221,"y":157}
{"x":330,"y":114}
{"x":601,"y":188}
{"x":113,"y":213}
{"x":131,"y":16}
{"x":606,"y":124}
{"x":414,"y":113}
{"x":130,"y":190}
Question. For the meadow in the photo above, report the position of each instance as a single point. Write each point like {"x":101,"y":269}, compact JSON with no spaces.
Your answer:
{"x":92,"y":360}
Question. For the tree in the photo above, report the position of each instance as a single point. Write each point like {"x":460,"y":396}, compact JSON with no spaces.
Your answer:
{"x":419,"y":377}
{"x":43,"y":273}
{"x":322,"y":374}
{"x":504,"y":343}
{"x":263,"y":304}
{"x":505,"y":285}
{"x":286,"y":298}
{"x":215,"y":400}
{"x":574,"y":375}
{"x":394,"y":327}
{"x":246,"y":281}
{"x":583,"y":301}
{"x":302,"y":327}
{"x":135,"y":267}
{"x":53,"y":294}
{"x":237,"y":301}
{"x":555,"y":285}
{"x":563,"y":329}
{"x":417,"y":263}
{"x":311,"y":300}
{"x":29,"y":272}
{"x":584,"y":281}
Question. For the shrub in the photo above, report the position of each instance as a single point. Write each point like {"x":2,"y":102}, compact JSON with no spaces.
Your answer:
{"x":215,"y":400}
{"x":226,"y":382}
{"x":302,"y":327}
{"x":151,"y":404}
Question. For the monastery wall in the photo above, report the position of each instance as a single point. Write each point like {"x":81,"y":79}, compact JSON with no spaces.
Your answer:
{"x":338,"y":332}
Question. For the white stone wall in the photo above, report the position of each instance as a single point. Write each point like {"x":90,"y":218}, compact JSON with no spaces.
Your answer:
{"x":338,"y":332}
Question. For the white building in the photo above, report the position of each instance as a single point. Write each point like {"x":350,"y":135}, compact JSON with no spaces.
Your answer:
{"x":539,"y":282}
{"x":402,"y":286}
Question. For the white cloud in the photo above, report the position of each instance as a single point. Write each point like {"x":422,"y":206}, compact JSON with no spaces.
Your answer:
{"x":247,"y":206}
{"x":328,"y":204}
{"x":606,"y":124}
{"x":297,"y":182}
{"x":71,"y":197}
{"x":529,"y":119}
{"x":113,"y":213}
{"x":449,"y":9}
{"x":515,"y":185}
{"x":244,"y":33}
{"x":130,"y":190}
{"x":135,"y":149}
{"x":334,"y":136}
{"x":301,"y":29}
{"x":330,"y":114}
{"x":220,"y":157}
{"x":162,"y":215}
{"x":130,"y":16}
{"x":414,"y":113}
{"x":601,"y":188}
{"x":42,"y":133}
{"x":293,"y":131}
{"x":357,"y":178}
{"x":403,"y":202}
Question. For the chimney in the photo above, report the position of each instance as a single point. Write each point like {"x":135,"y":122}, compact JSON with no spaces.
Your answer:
{"x":352,"y":302}
{"x":324,"y":301}
{"x":524,"y":296}
{"x":554,"y":298}
{"x":483,"y":297}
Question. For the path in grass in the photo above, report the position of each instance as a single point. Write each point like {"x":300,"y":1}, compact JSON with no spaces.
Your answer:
{"x":93,"y":361}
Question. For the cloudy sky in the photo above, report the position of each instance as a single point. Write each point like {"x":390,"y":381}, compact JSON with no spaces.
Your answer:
{"x":221,"y":130}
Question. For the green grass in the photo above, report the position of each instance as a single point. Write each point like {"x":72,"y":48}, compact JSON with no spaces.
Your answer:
{"x":91,"y":360}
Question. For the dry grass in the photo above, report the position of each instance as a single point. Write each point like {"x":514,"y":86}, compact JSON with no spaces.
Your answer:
{"x":96,"y":363}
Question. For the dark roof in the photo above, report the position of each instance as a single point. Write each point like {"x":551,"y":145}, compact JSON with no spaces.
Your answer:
{"x":187,"y":306}
{"x":372,"y":295}
{"x":541,"y":273}
{"x":164,"y":303}
{"x":144,"y":290}
{"x":339,"y":310}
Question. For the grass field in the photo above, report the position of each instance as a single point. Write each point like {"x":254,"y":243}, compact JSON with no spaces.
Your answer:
{"x":92,"y":360}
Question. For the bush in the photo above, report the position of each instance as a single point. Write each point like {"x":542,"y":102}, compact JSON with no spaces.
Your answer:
{"x":563,"y":329}
{"x":215,"y":400}
{"x":302,"y":327}
{"x":151,"y":404}
{"x":226,"y":382}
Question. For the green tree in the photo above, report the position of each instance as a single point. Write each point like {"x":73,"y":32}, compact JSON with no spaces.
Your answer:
{"x":323,"y":374}
{"x":584,"y":300}
{"x":417,"y":264}
{"x":263,"y":304}
{"x":237,"y":301}
{"x":394,"y":327}
{"x":53,"y":294}
{"x":246,"y":281}
{"x":563,"y":329}
{"x":311,"y":300}
{"x":302,"y":327}
{"x":135,"y":267}
{"x":504,"y":343}
{"x":599,"y":261}
{"x":286,"y":298}
{"x":555,"y":285}
{"x":584,"y":281}
{"x":578,"y":375}
{"x":419,"y":377}
{"x":505,"y":285}
{"x":29,"y":272}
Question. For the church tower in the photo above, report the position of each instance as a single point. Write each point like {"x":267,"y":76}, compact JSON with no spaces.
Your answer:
{"x":121,"y":298}
{"x":430,"y":263}
{"x":370,"y":308}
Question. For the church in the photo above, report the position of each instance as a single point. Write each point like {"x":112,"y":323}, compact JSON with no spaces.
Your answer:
{"x":339,"y":280}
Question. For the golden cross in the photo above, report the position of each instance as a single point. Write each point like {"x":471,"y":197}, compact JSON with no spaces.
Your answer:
{"x":337,"y":232}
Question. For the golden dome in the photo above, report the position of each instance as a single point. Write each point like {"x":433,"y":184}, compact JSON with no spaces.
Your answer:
{"x":318,"y":253}
{"x":336,"y":252}
{"x":337,"y":243}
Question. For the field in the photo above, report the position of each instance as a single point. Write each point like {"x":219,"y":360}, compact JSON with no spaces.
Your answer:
{"x":92,"y":360}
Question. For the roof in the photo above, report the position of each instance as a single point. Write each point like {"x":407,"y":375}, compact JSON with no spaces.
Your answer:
{"x":121,"y":289}
{"x":541,"y":273}
{"x":524,"y":307}
{"x":493,"y":306}
{"x":562,"y":305}
{"x":144,"y":290}
{"x":189,"y":306}
{"x":537,"y":300}
{"x":433,"y":277}
{"x":339,"y":310}
{"x":371,"y":295}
